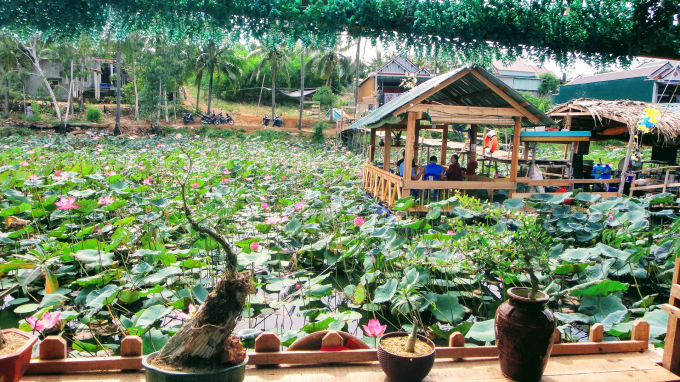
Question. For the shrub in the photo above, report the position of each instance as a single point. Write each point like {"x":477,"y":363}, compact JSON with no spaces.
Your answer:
{"x":325,"y":97}
{"x":317,"y":136}
{"x":93,"y":115}
{"x":271,"y":135}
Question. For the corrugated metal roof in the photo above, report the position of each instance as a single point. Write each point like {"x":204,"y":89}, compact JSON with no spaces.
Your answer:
{"x":634,"y":73}
{"x":468,"y":84}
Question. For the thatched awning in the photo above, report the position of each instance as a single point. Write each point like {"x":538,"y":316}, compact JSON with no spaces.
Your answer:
{"x":614,"y":119}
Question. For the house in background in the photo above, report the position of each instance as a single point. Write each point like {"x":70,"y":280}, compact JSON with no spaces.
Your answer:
{"x":520,"y":76}
{"x":95,"y":85}
{"x":388,"y":79}
{"x":654,"y":82}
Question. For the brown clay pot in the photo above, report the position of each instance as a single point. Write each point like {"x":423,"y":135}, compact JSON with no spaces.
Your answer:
{"x":313,"y":341}
{"x":405,"y":369}
{"x":524,"y":335}
{"x":13,"y":366}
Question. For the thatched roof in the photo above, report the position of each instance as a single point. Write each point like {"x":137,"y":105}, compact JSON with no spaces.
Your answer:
{"x":606,"y":117}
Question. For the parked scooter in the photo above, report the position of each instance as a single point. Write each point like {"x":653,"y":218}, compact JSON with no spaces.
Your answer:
{"x":210,"y":119}
{"x":188,"y":118}
{"x":278,"y":122}
{"x":266,"y":120}
{"x":228,"y":119}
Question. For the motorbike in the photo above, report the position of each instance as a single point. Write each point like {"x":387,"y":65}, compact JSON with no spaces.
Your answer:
{"x":228,"y":119}
{"x":188,"y":118}
{"x":210,"y":119}
{"x":266,"y":120}
{"x":278,"y":122}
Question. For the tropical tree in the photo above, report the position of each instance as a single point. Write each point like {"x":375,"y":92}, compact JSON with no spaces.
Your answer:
{"x":35,"y":48}
{"x":275,"y":56}
{"x":12,"y":69}
{"x":214,"y":59}
{"x":327,"y":62}
{"x":550,"y":84}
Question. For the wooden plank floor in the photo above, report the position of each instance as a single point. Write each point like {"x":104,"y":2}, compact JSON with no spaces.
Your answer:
{"x":577,"y":368}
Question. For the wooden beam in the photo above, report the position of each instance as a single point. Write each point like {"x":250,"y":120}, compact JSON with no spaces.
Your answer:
{"x":408,"y":154}
{"x":504,"y":184}
{"x":506,"y":97}
{"x":371,"y":150}
{"x":467,"y":110}
{"x":515,"y":148}
{"x":471,"y":95}
{"x":435,"y":89}
{"x":445,"y":139}
{"x":502,"y":121}
{"x":388,"y":148}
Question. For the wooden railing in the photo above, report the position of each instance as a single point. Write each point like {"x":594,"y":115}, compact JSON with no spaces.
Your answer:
{"x":268,"y":351}
{"x":382,"y":185}
{"x":657,"y":185}
{"x":671,"y":353}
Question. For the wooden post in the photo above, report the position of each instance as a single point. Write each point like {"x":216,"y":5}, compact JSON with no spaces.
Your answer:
{"x":410,"y":146}
{"x":267,"y":342}
{"x":131,"y":346}
{"x":445,"y":142}
{"x":515,"y":149}
{"x":52,"y":348}
{"x":596,"y":333}
{"x":371,"y":148}
{"x":626,"y":162}
{"x":671,"y":353}
{"x":473,"y":144}
{"x":388,"y":148}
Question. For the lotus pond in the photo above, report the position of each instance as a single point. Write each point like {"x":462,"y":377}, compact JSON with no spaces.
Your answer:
{"x":94,"y":233}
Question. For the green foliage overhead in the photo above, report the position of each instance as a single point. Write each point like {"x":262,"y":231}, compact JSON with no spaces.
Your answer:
{"x":600,"y":30}
{"x":550,"y":83}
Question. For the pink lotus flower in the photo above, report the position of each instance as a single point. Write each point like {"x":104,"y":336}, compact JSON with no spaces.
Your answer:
{"x":299,"y":206}
{"x":24,"y":164}
{"x":194,"y":185}
{"x":267,"y":177}
{"x":186,"y":316}
{"x":5,"y":146}
{"x":105,"y":200}
{"x":265,"y":206}
{"x":46,"y":322}
{"x":178,"y":136}
{"x":276,"y":219}
{"x":359,"y":221}
{"x":58,"y":178}
{"x":31,"y":152}
{"x":349,"y":153}
{"x":283,"y":177}
{"x":610,"y":218}
{"x":128,"y":166}
{"x":33,"y":177}
{"x":112,"y":173}
{"x":147,"y":181}
{"x":41,"y":157}
{"x":142,"y":167}
{"x":226,"y":171}
{"x":361,"y":175}
{"x":255,"y":246}
{"x":374,"y":329}
{"x":449,"y":232}
{"x":225,"y":180}
{"x":66,"y":204}
{"x":248,"y":179}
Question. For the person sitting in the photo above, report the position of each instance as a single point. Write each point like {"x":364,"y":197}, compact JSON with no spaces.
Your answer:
{"x":434,"y":171}
{"x":415,"y":175}
{"x":454,"y":173}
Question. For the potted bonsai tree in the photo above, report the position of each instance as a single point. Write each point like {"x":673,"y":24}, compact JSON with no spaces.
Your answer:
{"x":204,"y":348}
{"x":15,"y":353}
{"x":407,"y":357}
{"x":524,"y":327}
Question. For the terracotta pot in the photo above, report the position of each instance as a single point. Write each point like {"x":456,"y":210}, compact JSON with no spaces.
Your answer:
{"x":235,"y":373}
{"x":524,"y":335}
{"x":13,"y":366}
{"x":405,"y":369}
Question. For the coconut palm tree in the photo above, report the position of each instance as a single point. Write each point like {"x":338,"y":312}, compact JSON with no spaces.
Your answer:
{"x":215,"y":59}
{"x":276,"y":57}
{"x":327,"y":62}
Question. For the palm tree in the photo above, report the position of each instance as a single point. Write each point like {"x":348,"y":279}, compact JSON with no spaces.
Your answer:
{"x":215,"y":58}
{"x":326,"y":63}
{"x":277,"y":58}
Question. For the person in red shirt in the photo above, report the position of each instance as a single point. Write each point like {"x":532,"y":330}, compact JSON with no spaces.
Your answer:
{"x":454,"y":172}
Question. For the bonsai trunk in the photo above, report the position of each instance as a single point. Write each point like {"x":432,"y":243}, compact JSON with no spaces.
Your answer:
{"x":532,"y":277}
{"x":412,"y":338}
{"x":203,"y":336}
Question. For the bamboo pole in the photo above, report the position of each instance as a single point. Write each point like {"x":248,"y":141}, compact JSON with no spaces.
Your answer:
{"x":626,"y":163}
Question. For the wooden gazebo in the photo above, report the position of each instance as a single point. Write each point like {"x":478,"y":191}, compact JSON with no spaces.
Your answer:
{"x":469,"y":95}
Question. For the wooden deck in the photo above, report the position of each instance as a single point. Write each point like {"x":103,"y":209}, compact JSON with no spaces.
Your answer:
{"x":615,"y":367}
